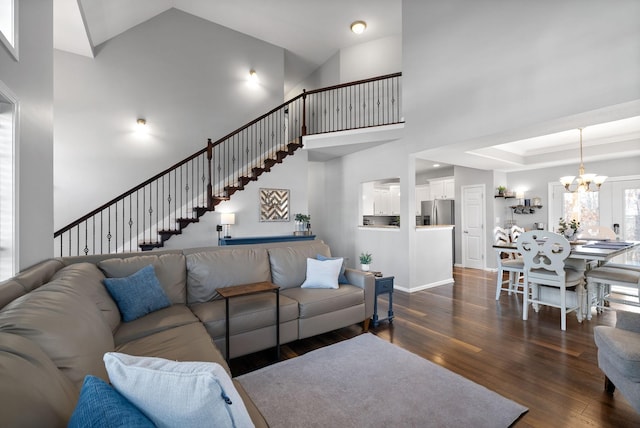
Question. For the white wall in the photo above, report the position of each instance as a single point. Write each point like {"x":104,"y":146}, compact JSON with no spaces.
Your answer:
{"x":371,"y":59}
{"x":474,"y":68}
{"x":186,"y":76}
{"x":31,"y":81}
{"x":326,"y":75}
{"x":343,"y":178}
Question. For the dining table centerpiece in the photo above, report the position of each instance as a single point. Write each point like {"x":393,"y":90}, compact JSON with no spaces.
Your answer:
{"x":569,"y":229}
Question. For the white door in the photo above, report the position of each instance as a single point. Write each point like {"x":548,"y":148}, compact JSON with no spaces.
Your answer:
{"x":626,"y":208}
{"x":472,"y":228}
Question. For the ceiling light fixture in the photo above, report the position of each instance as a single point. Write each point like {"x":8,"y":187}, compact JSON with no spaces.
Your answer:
{"x":358,"y":27}
{"x":583,"y":181}
{"x":253,"y":76}
{"x":141,"y":122}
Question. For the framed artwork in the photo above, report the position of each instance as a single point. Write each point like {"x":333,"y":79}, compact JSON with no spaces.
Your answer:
{"x":274,"y":204}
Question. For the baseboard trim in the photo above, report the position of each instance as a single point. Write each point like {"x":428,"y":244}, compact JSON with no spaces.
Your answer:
{"x":425,"y":286}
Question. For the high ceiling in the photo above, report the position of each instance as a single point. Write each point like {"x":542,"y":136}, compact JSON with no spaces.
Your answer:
{"x":311,"y":31}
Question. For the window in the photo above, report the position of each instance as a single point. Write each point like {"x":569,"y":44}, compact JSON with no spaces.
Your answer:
{"x":8,"y":132}
{"x":9,"y":26}
{"x":632,"y":214}
{"x":583,"y":207}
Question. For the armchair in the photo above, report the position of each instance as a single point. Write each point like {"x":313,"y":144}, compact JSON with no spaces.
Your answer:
{"x":619,"y":356}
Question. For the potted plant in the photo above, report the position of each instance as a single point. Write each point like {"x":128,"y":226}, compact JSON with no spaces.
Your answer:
{"x":302,"y":221}
{"x":569,"y":230}
{"x":365,"y":261}
{"x":501,"y":190}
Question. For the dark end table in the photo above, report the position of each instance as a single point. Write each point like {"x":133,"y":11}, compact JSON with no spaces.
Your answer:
{"x":383,"y":285}
{"x":245,"y":290}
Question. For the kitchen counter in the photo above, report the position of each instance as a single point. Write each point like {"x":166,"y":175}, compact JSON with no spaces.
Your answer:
{"x":434,"y":226}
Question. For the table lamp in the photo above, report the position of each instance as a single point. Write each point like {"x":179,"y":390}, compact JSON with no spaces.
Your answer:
{"x":227,"y":219}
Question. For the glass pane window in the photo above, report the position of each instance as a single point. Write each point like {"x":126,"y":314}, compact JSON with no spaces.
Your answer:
{"x":632,"y":214}
{"x":583,"y":207}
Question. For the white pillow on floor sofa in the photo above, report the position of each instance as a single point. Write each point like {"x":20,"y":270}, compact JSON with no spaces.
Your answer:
{"x":178,"y":394}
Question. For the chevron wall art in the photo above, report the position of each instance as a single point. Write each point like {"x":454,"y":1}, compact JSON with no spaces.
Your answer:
{"x":274,"y":204}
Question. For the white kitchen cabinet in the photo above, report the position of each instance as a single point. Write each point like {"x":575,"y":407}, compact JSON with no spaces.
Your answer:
{"x":394,"y":200}
{"x":422,"y":194}
{"x":368,"y":196}
{"x":382,"y":202}
{"x":442,"y":188}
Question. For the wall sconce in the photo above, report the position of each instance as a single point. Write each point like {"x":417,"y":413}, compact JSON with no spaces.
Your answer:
{"x":358,"y":27}
{"x":227,"y":219}
{"x":253,"y":76}
{"x":141,"y":122}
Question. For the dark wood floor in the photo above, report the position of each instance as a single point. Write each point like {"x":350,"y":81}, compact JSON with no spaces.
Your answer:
{"x":462,"y":327}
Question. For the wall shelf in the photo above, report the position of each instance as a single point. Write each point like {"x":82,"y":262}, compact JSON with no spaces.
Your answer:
{"x":503,"y":196}
{"x":524,"y":209}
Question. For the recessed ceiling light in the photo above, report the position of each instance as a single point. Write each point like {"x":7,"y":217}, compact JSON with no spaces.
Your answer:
{"x":435,"y":165}
{"x":358,"y":27}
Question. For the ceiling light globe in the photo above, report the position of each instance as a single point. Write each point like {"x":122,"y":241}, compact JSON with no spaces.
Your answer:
{"x":599,"y":179}
{"x":358,"y":27}
{"x":567,"y":180}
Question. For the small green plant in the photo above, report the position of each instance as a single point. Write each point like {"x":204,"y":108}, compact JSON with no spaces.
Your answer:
{"x":563,"y":226}
{"x":501,"y":190}
{"x":365,"y":258}
{"x":302,"y":218}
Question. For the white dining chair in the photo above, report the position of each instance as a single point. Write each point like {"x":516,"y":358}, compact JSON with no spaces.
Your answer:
{"x":549,"y":281}
{"x":515,"y":232}
{"x":511,"y":264}
{"x":597,"y":233}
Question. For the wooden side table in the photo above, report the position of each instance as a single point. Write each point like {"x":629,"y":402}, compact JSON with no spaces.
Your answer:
{"x":383,"y":285}
{"x":245,"y":290}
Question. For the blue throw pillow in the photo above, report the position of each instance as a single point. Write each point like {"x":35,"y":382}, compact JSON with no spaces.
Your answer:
{"x":342,"y":279}
{"x":138,"y":294}
{"x":101,"y":406}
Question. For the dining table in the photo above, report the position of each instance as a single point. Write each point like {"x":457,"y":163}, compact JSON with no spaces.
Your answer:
{"x":599,"y":251}
{"x":583,"y":256}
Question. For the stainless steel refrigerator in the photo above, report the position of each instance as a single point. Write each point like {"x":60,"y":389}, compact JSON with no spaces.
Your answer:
{"x":440,"y":211}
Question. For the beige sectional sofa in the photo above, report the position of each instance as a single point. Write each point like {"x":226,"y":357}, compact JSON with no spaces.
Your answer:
{"x":57,"y":319}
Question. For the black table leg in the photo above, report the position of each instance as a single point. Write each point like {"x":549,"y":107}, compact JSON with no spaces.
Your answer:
{"x":278,"y":324}
{"x":226,"y":333}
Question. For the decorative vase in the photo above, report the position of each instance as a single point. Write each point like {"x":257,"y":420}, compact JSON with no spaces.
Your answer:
{"x":365,"y":267}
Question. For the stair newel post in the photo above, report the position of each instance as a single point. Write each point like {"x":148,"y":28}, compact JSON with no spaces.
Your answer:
{"x":210,"y":183}
{"x":304,"y":113}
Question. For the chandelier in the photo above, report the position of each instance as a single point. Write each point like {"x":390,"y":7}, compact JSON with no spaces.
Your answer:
{"x":582,"y":181}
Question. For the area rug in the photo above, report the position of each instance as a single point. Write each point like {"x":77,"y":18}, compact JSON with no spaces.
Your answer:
{"x":368,"y":382}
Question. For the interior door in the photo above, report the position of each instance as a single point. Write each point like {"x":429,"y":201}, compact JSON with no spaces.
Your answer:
{"x":472,"y":230}
{"x":626,"y":208}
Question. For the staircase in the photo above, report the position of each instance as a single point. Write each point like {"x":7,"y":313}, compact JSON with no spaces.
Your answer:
{"x":146,"y":216}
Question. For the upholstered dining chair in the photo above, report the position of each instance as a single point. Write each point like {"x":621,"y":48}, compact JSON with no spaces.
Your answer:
{"x":513,"y":266}
{"x":549,"y":281}
{"x":600,"y":281}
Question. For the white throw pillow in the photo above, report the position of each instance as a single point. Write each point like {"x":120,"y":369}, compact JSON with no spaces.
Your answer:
{"x":322,"y":273}
{"x":178,"y":394}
